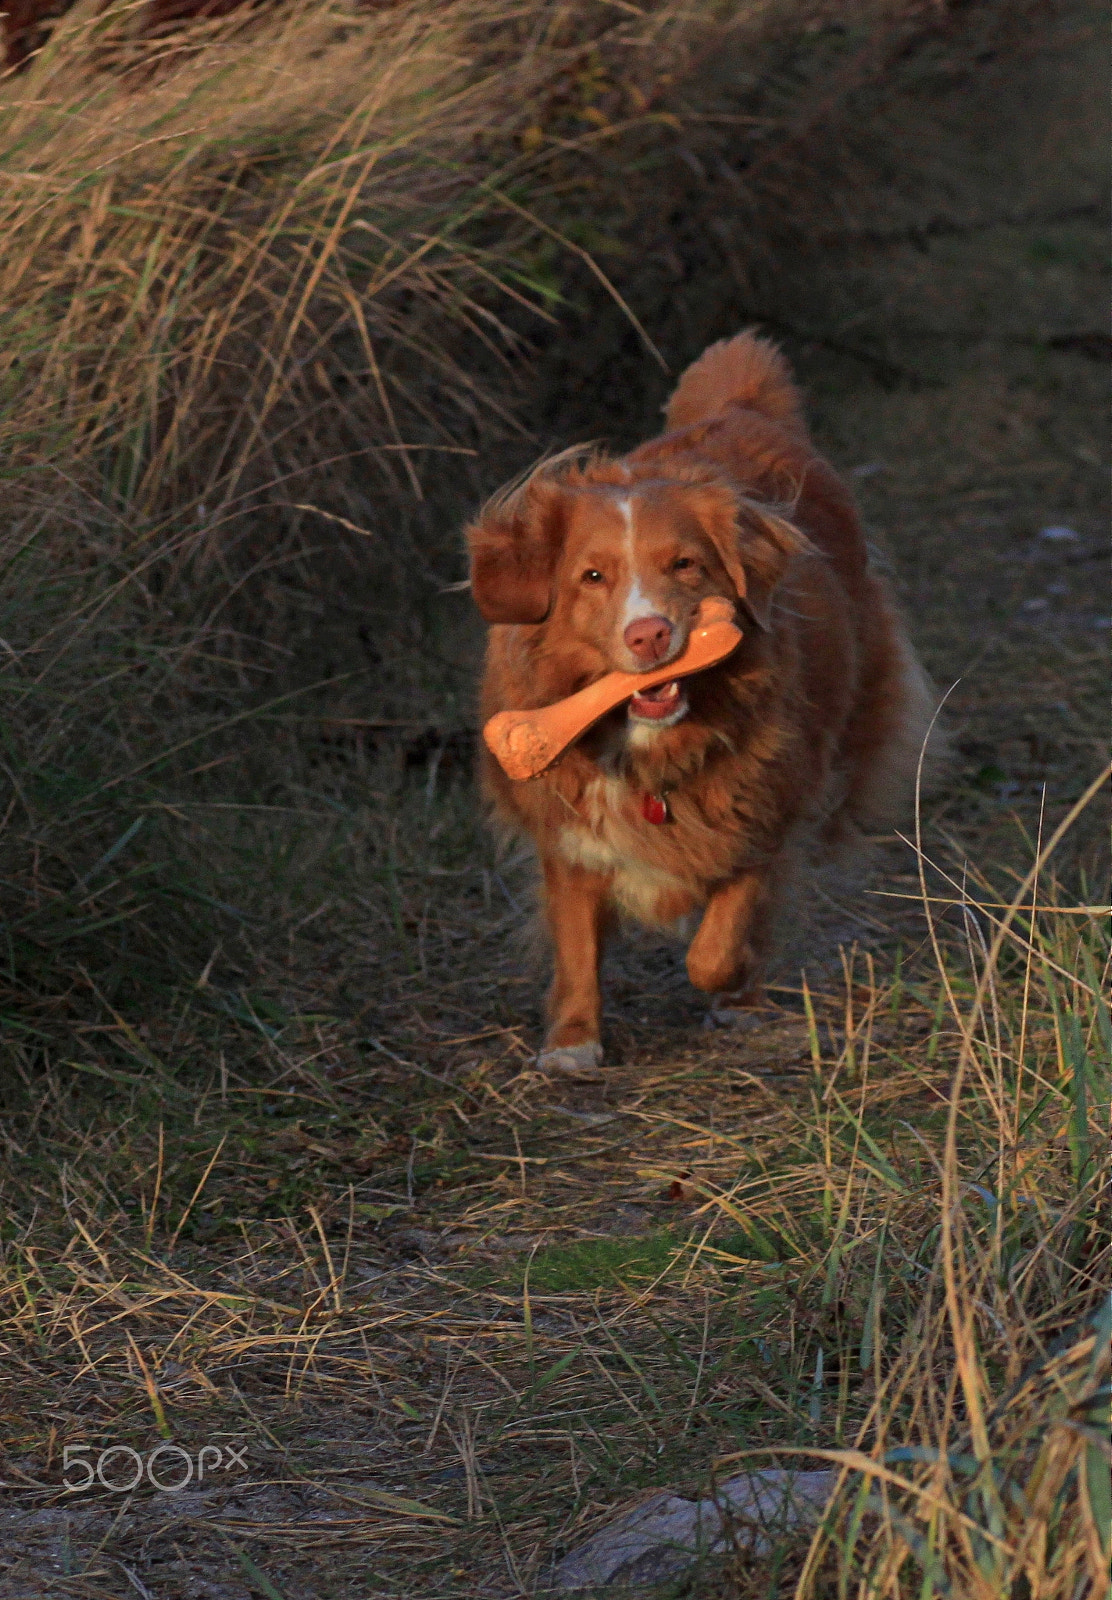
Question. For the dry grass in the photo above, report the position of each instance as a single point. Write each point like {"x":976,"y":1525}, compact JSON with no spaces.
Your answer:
{"x":877,"y":1236}
{"x":331,"y":217}
{"x":278,"y":1171}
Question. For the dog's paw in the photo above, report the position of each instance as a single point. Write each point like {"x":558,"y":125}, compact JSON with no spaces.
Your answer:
{"x":582,"y":1061}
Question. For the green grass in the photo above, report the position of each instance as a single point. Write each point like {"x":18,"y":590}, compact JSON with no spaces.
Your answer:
{"x":602,"y":1264}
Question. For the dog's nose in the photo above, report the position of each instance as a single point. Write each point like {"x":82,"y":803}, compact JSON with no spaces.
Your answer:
{"x":648,"y":638}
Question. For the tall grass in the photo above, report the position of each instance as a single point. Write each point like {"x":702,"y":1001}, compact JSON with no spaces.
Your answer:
{"x":215,"y":246}
{"x":274,"y":259}
{"x":988,"y":1436}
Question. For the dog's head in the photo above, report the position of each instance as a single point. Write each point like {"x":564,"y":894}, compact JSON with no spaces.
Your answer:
{"x":614,"y":566}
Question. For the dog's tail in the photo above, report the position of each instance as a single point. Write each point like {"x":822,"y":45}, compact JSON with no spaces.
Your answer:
{"x":746,"y":371}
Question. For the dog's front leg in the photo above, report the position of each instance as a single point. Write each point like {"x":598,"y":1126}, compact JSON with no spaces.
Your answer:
{"x":729,"y":952}
{"x":577,"y":905}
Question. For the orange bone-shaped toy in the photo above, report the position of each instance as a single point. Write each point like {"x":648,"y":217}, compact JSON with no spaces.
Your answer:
{"x":526,"y":742}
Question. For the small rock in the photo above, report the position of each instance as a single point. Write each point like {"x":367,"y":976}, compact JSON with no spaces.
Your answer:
{"x":1058,"y":534}
{"x":666,"y":1534}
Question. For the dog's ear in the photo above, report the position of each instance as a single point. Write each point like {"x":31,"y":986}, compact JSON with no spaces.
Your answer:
{"x":514,"y":547}
{"x":755,"y":546}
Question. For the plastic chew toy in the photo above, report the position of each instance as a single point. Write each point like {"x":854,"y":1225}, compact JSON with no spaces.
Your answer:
{"x":526,"y":742}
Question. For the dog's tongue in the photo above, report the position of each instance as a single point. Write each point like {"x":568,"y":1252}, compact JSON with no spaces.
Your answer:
{"x":656,"y":702}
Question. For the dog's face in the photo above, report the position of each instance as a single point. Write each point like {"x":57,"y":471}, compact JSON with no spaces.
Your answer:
{"x":628,"y":579}
{"x":615,"y":570}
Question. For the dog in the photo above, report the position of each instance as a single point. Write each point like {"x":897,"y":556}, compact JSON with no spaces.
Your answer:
{"x":690,"y":801}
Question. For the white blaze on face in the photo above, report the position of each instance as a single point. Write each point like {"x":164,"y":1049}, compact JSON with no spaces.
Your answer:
{"x":637,"y":603}
{"x":669,"y":702}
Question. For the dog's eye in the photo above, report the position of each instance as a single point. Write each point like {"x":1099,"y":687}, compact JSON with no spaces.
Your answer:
{"x":592,"y":575}
{"x":682,"y":564}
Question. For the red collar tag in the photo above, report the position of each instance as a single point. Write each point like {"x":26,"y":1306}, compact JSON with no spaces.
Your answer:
{"x":654,"y":808}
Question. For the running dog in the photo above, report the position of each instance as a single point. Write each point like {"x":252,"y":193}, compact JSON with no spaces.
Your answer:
{"x":689,"y":801}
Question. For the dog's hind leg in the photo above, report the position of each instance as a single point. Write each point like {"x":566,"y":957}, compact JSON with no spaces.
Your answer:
{"x":577,"y":903}
{"x":888,"y":741}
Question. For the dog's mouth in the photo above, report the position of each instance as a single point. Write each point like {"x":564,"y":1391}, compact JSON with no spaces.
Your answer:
{"x":662,"y":706}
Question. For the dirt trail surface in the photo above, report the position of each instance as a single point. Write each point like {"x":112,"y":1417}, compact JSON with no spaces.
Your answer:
{"x":435,"y":1317}
{"x":423,"y":1380}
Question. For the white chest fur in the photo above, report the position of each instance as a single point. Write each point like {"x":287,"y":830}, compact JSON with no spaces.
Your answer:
{"x":607,"y":841}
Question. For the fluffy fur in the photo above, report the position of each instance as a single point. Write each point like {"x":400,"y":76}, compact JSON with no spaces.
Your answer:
{"x":815,"y":722}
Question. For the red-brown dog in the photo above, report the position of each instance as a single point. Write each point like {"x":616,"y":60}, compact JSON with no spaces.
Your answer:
{"x":691,"y":797}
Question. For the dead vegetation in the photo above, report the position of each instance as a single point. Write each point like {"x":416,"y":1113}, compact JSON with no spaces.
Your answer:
{"x":452,"y":1314}
{"x":279,"y":1178}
